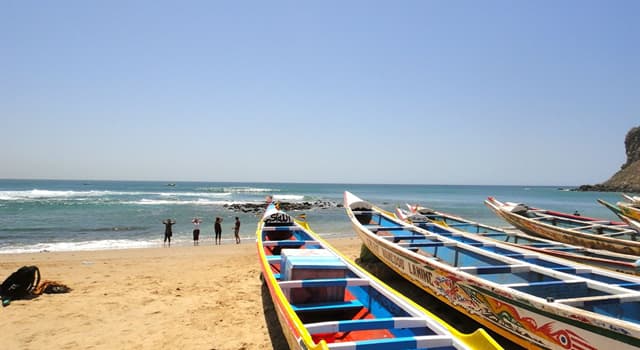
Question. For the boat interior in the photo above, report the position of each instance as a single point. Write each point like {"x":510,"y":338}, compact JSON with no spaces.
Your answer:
{"x":531,"y":273}
{"x":435,"y":221}
{"x":336,"y":304}
{"x":584,"y":225}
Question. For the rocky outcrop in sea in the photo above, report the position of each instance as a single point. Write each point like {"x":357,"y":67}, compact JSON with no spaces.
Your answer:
{"x":258,"y":208}
{"x":627,"y":179}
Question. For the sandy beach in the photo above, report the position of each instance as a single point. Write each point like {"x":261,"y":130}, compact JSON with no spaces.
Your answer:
{"x":205,"y":297}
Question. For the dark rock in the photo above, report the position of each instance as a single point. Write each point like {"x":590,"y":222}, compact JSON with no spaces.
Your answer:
{"x":632,"y":145}
{"x":286,"y":206}
{"x":627,"y":179}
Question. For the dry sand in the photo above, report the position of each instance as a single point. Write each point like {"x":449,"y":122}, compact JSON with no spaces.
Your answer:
{"x":205,"y":297}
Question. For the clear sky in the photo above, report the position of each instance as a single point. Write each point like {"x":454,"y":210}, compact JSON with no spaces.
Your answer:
{"x":424,"y":92}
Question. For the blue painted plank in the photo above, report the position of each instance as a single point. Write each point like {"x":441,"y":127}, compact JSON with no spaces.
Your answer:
{"x":426,"y":244}
{"x":273,"y":258}
{"x":491,"y":269}
{"x":353,"y":304}
{"x":287,"y":243}
{"x":325,"y":282}
{"x":420,"y":342}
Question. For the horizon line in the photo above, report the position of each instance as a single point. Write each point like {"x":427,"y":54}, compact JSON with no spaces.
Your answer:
{"x":288,"y":182}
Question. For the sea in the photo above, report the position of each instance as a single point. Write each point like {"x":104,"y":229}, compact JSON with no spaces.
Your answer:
{"x":70,"y":215}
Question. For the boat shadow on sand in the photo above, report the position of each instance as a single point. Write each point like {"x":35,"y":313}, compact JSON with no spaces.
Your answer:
{"x":278,"y":341}
{"x":373,"y":265}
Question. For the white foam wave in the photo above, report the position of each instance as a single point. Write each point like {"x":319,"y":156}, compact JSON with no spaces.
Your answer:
{"x":290,"y":197}
{"x":74,"y":246}
{"x":195,"y":194}
{"x":179,"y":240}
{"x":36,"y":194}
{"x":242,"y":189}
{"x":200,"y":201}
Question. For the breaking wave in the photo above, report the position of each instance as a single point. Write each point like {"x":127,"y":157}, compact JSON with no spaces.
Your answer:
{"x":288,"y":197}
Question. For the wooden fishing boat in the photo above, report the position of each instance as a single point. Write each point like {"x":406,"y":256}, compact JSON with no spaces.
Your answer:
{"x":325,"y":301}
{"x":535,"y":300}
{"x":583,"y":231}
{"x":622,"y":210}
{"x":448,"y":223}
{"x":628,"y":209}
{"x":632,"y":199}
{"x":624,"y":214}
{"x":635,"y":224}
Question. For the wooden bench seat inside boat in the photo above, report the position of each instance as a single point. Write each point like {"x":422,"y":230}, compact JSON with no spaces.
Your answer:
{"x":273,"y":259}
{"x":554,"y":290}
{"x":376,"y":228}
{"x":520,"y":256}
{"x":554,"y":283}
{"x":288,"y":243}
{"x":479,"y":270}
{"x":324,"y":282}
{"x":439,"y":342}
{"x":422,"y":244}
{"x":397,"y":238}
{"x":630,"y":285}
{"x":330,"y":306}
{"x":281,"y":228}
{"x":327,"y":311}
{"x":365,"y":324}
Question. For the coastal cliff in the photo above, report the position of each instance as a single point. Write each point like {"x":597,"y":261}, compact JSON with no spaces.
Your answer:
{"x":627,"y":179}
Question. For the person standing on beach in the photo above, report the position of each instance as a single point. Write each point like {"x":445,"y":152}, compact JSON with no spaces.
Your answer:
{"x":236,"y":230}
{"x":218,"y":230}
{"x":167,"y":231}
{"x":268,"y":199}
{"x":196,"y":230}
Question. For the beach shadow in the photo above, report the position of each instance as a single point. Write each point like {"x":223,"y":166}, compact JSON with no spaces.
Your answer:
{"x":458,"y":320}
{"x":278,"y":341}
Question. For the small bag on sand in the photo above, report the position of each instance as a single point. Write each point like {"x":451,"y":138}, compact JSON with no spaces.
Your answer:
{"x":20,"y":284}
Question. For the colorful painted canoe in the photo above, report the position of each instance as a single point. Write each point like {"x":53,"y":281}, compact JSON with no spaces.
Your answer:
{"x":582,"y":231}
{"x":427,"y":218}
{"x":325,"y":301}
{"x":624,"y":214}
{"x":535,"y":300}
{"x":628,"y":209}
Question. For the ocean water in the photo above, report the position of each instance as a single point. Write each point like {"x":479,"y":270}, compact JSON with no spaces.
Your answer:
{"x":54,"y":215}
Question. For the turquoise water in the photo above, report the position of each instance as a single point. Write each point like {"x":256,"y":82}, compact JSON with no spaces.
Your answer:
{"x":54,"y":215}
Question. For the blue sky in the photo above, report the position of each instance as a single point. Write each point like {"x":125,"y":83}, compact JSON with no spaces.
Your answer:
{"x":426,"y":92}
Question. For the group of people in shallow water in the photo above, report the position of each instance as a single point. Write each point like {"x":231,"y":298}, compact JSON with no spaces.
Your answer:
{"x":217,"y":228}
